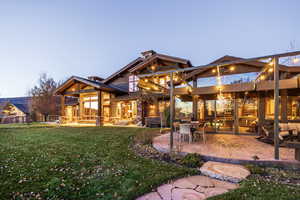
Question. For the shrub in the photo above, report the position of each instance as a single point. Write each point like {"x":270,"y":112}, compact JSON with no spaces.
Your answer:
{"x":145,"y":137}
{"x":191,"y":160}
{"x":254,"y":169}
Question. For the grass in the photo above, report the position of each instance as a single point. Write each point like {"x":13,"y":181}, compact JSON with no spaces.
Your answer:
{"x":41,"y":162}
{"x":76,"y":163}
{"x":254,"y":189}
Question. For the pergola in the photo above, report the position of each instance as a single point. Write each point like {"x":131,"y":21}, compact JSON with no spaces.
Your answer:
{"x":274,"y":61}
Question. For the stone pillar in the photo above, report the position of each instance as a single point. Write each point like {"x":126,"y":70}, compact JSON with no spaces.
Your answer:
{"x":140,"y":111}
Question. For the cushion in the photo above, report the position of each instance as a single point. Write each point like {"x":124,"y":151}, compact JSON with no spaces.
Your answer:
{"x":284,"y":126}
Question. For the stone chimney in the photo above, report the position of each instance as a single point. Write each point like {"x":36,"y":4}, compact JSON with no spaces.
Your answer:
{"x":95,"y":78}
{"x":149,"y":53}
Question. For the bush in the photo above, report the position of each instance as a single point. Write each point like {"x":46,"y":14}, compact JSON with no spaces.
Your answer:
{"x":145,"y":137}
{"x":191,"y":160}
{"x":254,"y":169}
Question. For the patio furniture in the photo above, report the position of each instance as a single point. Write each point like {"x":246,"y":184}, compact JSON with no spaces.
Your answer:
{"x":296,"y":146}
{"x":185,"y":131}
{"x":199,"y":128}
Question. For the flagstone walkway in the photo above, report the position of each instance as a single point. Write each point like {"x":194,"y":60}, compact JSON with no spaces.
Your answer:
{"x":190,"y":188}
{"x":201,"y":187}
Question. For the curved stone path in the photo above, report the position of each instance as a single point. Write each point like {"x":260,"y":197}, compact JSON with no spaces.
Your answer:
{"x":190,"y":188}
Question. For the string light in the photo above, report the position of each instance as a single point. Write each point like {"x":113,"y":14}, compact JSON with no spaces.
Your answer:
{"x":262,"y":77}
{"x":270,"y":70}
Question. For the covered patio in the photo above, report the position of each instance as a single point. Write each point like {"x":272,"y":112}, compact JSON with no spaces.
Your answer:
{"x":227,"y":146}
{"x":233,"y":114}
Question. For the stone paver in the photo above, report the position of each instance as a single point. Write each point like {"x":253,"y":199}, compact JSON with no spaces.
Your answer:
{"x":202,"y":181}
{"x":184,"y":183}
{"x":224,"y":171}
{"x":186,"y":194}
{"x":190,"y":188}
{"x":150,"y":196}
{"x":165,"y":191}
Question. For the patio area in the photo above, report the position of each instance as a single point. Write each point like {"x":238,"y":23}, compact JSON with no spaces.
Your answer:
{"x":229,"y":146}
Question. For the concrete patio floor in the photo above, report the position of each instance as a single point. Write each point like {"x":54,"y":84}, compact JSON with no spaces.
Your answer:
{"x":226,"y":146}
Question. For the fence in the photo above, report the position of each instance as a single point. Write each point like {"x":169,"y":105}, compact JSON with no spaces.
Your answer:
{"x":14,"y":119}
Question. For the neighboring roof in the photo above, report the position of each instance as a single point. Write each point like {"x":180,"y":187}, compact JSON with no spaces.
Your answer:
{"x":162,"y":57}
{"x":123,"y":69}
{"x":22,"y":103}
{"x":96,"y":84}
{"x":23,"y":107}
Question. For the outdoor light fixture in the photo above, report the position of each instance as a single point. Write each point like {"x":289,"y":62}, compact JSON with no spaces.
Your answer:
{"x":271,"y":63}
{"x":296,"y":60}
{"x":270,"y":70}
{"x":153,"y":67}
{"x":232,"y":68}
{"x":214,"y":71}
{"x":262,"y":77}
{"x":146,"y":80}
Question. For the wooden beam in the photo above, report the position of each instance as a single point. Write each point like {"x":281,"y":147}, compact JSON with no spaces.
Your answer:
{"x":172,"y":109}
{"x":99,"y":113}
{"x":247,"y":60}
{"x":81,"y":91}
{"x":261,"y":111}
{"x":62,"y":103}
{"x":276,"y":108}
{"x":235,"y":116}
{"x":283,"y":103}
{"x":195,"y":101}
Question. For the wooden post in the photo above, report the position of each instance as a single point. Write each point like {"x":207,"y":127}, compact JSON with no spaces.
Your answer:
{"x":99,"y":113}
{"x":195,"y":101}
{"x":276,"y":108}
{"x":261,"y":111}
{"x":62,"y":102}
{"x":235,"y":116}
{"x":171,"y":111}
{"x":283,"y":103}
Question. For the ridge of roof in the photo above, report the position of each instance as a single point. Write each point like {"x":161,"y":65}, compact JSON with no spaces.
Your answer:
{"x":161,"y":56}
{"x":126,"y":67}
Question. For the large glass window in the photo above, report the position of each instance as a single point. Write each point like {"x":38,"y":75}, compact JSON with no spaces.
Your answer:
{"x":183,"y":109}
{"x":293,"y":108}
{"x":133,"y":83}
{"x":90,"y":107}
{"x":270,"y":108}
{"x":247,"y":112}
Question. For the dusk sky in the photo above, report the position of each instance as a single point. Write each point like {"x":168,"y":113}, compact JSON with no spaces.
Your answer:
{"x":73,"y":37}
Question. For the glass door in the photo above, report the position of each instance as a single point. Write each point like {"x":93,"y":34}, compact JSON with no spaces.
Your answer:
{"x":219,"y":115}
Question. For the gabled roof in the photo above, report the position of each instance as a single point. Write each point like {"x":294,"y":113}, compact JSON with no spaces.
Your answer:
{"x":228,"y":58}
{"x":22,"y":107}
{"x":162,"y":57}
{"x":123,"y":69}
{"x":95,"y":84}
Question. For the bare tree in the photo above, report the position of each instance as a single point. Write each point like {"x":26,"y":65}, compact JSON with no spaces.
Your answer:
{"x":43,"y":99}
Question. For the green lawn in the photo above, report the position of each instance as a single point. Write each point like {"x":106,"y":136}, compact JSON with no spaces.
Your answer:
{"x":76,"y":163}
{"x":93,"y":163}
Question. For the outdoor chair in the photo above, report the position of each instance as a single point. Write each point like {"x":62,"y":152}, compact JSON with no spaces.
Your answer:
{"x":185,"y":132}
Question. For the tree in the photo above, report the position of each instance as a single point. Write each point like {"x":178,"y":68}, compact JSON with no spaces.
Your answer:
{"x":43,"y":100}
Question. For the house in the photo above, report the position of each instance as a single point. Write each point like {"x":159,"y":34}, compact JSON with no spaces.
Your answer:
{"x":235,"y":98}
{"x":14,"y":110}
{"x":118,"y":99}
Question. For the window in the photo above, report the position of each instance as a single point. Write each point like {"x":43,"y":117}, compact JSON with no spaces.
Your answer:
{"x":133,"y":83}
{"x":90,"y":107}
